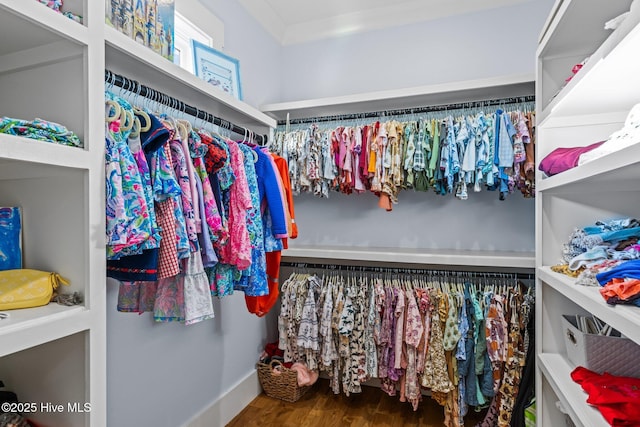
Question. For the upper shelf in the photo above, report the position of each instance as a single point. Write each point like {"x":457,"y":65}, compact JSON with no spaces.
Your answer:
{"x":560,"y":35}
{"x":470,"y":90}
{"x":126,"y":56}
{"x":497,"y":259}
{"x":626,"y":319}
{"x":607,"y":82}
{"x":26,"y":24}
{"x":615,"y":171}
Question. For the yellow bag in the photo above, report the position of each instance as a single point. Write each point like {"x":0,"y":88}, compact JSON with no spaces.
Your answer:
{"x":25,"y":288}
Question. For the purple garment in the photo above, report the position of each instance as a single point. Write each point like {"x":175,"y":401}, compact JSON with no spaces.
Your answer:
{"x":209,"y":258}
{"x":562,"y":159}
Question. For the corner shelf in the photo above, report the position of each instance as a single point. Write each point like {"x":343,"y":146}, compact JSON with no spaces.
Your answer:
{"x":557,"y":371}
{"x":30,"y":327}
{"x":498,"y":87}
{"x":125,"y":55}
{"x":498,"y":259}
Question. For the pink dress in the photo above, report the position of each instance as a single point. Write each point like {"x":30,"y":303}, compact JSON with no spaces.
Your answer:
{"x":238,"y":248}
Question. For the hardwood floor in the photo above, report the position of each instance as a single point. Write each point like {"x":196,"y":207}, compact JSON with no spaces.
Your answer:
{"x":321,"y":408}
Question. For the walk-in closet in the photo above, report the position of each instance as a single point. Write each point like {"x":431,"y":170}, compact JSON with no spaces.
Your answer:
{"x":340,"y":213}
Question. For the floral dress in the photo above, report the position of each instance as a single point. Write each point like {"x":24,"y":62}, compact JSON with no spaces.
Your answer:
{"x":254,"y":280}
{"x":179,"y":162}
{"x":128,"y":223}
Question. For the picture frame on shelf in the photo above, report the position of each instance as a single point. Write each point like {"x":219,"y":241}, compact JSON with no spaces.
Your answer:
{"x":217,"y":69}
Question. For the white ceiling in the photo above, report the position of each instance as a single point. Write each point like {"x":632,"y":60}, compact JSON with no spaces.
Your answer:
{"x":299,"y":21}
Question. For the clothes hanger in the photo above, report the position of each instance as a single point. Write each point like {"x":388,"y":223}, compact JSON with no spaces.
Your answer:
{"x":139,"y":112}
{"x":113,"y":105}
{"x":135,"y":130}
{"x":126,"y":119}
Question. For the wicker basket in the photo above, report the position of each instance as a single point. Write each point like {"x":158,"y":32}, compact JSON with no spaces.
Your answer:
{"x":283,"y":385}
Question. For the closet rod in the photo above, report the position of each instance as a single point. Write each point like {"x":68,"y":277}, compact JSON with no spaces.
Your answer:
{"x":397,"y":270}
{"x":415,"y":110}
{"x":137,"y":88}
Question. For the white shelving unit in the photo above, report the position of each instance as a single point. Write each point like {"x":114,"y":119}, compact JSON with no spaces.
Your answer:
{"x":588,"y":109}
{"x":53,"y":68}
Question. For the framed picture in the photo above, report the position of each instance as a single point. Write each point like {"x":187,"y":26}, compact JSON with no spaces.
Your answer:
{"x":216,"y":68}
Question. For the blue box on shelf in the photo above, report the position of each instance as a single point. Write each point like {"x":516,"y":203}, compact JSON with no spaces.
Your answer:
{"x":10,"y":238}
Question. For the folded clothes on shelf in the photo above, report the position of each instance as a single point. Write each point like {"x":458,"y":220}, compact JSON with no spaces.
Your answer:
{"x":57,"y":6}
{"x":562,"y":159}
{"x":565,"y":158}
{"x":41,"y":130}
{"x":52,"y":4}
{"x":625,"y":137}
{"x":617,"y":398}
{"x":606,"y":254}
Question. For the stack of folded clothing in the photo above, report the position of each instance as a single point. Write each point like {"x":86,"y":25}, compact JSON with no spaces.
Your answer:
{"x":41,"y":130}
{"x":606,"y":254}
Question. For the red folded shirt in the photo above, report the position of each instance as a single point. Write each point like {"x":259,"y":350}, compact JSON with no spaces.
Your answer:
{"x":617,"y":398}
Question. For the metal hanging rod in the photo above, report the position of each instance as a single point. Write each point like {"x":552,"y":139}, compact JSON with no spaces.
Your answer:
{"x":396,"y":270}
{"x":137,"y":88}
{"x":416,"y":110}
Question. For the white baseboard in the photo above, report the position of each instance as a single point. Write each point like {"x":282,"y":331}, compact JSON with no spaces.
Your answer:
{"x":223,"y":410}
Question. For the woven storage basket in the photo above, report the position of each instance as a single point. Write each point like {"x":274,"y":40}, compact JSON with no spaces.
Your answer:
{"x":282,"y":386}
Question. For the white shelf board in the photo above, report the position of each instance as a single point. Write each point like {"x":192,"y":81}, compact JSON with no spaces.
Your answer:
{"x":550,"y":20}
{"x":29,"y":327}
{"x":557,"y":371}
{"x":624,"y":318}
{"x":25,"y":24}
{"x":611,"y":170}
{"x":464,"y":91}
{"x":145,"y":60}
{"x":414,"y":256}
{"x":47,"y":155}
{"x":607,"y":82}
{"x":559,"y":35}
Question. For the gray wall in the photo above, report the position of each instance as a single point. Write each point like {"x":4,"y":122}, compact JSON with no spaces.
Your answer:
{"x":161,"y":375}
{"x":418,"y":221}
{"x":485,"y":44}
{"x":258,"y":52}
{"x":494,"y":42}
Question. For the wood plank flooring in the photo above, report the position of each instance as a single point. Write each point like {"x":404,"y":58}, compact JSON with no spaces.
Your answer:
{"x":321,"y":408}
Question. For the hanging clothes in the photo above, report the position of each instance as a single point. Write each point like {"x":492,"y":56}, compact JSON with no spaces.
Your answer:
{"x":190,"y":215}
{"x":422,"y":330}
{"x":447,"y":154}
